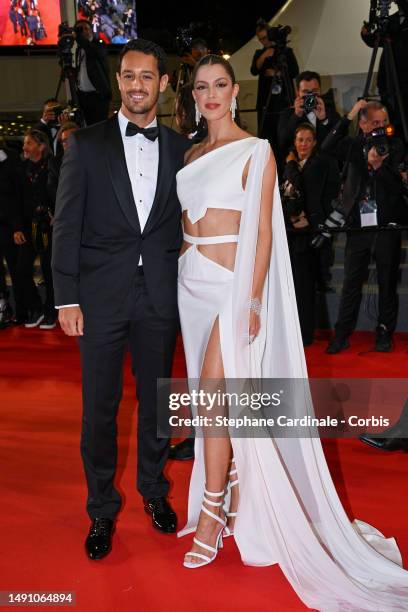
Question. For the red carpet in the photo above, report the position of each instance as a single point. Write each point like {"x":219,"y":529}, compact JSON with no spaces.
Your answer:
{"x":50,"y":15}
{"x":42,"y":491}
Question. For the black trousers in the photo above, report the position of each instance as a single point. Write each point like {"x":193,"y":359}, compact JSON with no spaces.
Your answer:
{"x":151,"y":340}
{"x":304,"y":266}
{"x":386,"y":250}
{"x":8,"y":251}
{"x":27,"y":292}
{"x":94,"y":106}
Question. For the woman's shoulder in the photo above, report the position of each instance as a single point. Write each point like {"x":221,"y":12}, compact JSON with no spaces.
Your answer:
{"x":193,"y":152}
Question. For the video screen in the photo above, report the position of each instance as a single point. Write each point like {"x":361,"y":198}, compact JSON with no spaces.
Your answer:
{"x":29,"y":22}
{"x":113,"y":21}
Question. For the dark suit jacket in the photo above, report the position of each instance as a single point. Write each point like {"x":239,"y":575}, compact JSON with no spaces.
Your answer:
{"x":387,"y":182}
{"x":97,"y":240}
{"x":96,"y":66}
{"x":44,"y":127}
{"x":289,"y":122}
{"x":277,"y":102}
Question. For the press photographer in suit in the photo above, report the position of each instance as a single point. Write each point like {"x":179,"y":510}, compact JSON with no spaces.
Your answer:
{"x":265,"y":65}
{"x":310,"y":106}
{"x":396,"y":27}
{"x":94,"y":88}
{"x":372,"y":197}
{"x":117,"y":235}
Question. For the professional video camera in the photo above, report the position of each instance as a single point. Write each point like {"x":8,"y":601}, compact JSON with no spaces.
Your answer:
{"x":278,"y":35}
{"x":379,"y":139}
{"x":66,"y":41}
{"x":378,"y":19}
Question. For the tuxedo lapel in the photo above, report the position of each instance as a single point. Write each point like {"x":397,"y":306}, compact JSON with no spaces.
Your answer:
{"x":119,"y":173}
{"x":165,"y":177}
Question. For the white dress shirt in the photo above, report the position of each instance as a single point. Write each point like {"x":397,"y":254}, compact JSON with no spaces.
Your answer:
{"x":142,"y":161}
{"x":84,"y":82}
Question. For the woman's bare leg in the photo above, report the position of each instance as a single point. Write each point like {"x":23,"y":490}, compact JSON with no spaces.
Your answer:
{"x":217,"y":450}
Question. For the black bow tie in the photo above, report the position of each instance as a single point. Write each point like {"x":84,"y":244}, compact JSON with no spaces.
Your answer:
{"x":150,"y":133}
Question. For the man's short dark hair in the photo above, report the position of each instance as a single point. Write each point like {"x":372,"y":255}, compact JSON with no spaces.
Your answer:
{"x":148,"y":48}
{"x":199,"y":43}
{"x":79,"y":21}
{"x":261,"y":25}
{"x":308,"y":75}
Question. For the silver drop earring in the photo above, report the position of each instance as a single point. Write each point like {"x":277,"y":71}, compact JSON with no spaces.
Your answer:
{"x":197,"y":114}
{"x":233,"y":107}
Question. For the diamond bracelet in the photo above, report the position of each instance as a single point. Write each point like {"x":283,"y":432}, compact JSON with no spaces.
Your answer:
{"x":255,"y":305}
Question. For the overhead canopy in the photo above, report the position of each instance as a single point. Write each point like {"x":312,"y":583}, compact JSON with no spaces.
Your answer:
{"x":325,"y":37}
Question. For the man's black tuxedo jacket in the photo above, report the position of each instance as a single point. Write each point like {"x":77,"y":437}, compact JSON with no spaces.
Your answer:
{"x":97,"y":240}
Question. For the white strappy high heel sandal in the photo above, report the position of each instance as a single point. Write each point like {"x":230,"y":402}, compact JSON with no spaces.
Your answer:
{"x":205,"y":559}
{"x":227,"y":531}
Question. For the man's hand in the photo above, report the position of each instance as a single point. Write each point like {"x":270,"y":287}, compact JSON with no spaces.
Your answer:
{"x":19,"y":238}
{"x":71,"y":320}
{"x":374,"y":159}
{"x":320,"y":110}
{"x":299,"y":106}
{"x":356,"y":109}
{"x":269,"y":52}
{"x":291,"y":157}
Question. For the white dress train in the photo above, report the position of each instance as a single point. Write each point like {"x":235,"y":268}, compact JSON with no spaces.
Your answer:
{"x":289,"y":511}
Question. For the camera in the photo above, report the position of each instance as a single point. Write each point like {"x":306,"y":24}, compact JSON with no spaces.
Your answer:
{"x":335,"y":220}
{"x":309,"y":102}
{"x":379,"y":139}
{"x":278,"y":35}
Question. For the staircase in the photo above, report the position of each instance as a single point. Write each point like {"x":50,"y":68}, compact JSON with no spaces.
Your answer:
{"x":328,"y":303}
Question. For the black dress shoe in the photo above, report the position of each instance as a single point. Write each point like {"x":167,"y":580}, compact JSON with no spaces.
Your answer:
{"x":386,"y":444}
{"x":183,"y":450}
{"x":99,"y":541}
{"x":383,"y":340}
{"x":337,"y":345}
{"x":163,"y":516}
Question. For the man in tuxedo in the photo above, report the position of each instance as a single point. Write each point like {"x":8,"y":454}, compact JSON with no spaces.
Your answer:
{"x":93,"y":83}
{"x":50,"y":124}
{"x":117,"y":235}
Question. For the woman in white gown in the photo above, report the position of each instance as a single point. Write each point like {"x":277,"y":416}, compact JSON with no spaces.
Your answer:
{"x":239,"y":320}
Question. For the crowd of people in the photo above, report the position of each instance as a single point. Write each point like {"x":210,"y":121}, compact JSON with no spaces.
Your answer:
{"x":26,"y":18}
{"x":112,"y":21}
{"x":319,"y":166}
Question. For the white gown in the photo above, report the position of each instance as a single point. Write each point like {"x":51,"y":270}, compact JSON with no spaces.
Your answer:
{"x":289,"y":511}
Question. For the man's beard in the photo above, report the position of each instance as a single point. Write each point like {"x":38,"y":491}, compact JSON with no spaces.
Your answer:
{"x":138,"y":108}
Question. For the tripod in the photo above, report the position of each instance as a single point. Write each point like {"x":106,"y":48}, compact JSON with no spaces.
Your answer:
{"x":282,"y":65}
{"x":68,"y":74}
{"x":391,"y":76}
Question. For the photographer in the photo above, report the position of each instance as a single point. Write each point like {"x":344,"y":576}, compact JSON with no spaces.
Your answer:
{"x":372,"y":196}
{"x":54,"y":164}
{"x":9,"y":198}
{"x":32,"y":231}
{"x":396,"y":30}
{"x":50,"y":123}
{"x":93,"y":84}
{"x":199,"y":49}
{"x":311,"y":181}
{"x":309,"y":107}
{"x":265,"y":65}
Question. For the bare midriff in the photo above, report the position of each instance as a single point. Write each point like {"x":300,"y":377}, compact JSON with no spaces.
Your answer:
{"x":216,"y":222}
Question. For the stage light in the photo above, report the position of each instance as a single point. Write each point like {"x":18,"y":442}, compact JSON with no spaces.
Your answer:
{"x":226,"y":56}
